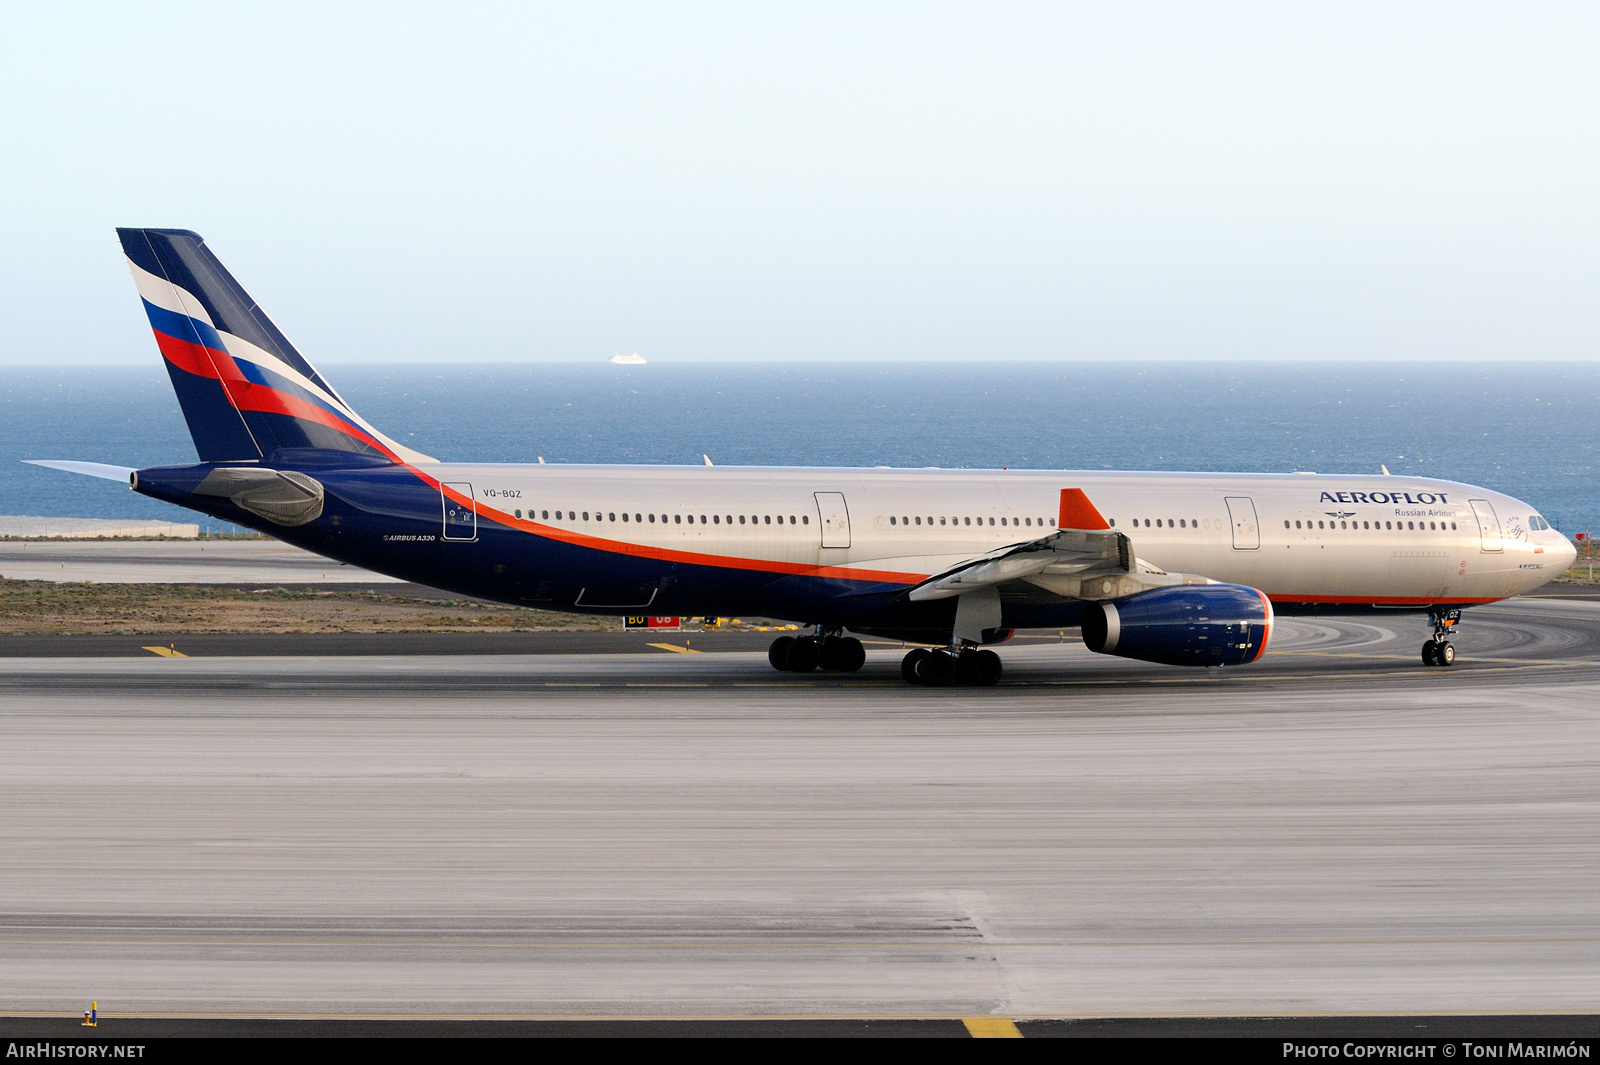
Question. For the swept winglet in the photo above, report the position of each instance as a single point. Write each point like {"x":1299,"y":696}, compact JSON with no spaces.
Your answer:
{"x":1078,"y":513}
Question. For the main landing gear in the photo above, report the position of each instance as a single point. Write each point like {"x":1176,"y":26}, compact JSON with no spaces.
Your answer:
{"x":967,"y":667}
{"x":1439,"y":651}
{"x":829,"y":651}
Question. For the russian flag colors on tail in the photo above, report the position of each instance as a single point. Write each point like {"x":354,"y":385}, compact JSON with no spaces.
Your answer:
{"x":245,"y":391}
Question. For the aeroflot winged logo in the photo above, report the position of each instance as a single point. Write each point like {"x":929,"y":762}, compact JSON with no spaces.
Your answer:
{"x":1421,"y":498}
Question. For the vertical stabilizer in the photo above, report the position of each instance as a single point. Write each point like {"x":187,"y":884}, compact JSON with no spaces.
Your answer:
{"x":245,"y":391}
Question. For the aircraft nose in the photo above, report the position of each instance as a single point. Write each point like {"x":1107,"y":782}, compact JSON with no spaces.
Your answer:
{"x":1568,"y":553}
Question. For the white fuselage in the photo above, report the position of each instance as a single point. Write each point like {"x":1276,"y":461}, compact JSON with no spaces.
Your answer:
{"x":1302,"y":539}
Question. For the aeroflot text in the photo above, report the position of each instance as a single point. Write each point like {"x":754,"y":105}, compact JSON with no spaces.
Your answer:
{"x":1383,"y":497}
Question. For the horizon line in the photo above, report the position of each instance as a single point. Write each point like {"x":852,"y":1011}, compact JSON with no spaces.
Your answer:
{"x":155,"y":363}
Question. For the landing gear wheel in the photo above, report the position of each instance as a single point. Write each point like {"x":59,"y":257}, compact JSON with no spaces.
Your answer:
{"x":804,"y":655}
{"x":1439,"y":651}
{"x":778,"y":653}
{"x":842,"y":654}
{"x":908,"y":664}
{"x":937,"y":669}
{"x":854,"y":655}
{"x":987,"y":667}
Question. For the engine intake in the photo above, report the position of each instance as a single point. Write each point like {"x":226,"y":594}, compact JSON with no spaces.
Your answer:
{"x":1191,"y":625}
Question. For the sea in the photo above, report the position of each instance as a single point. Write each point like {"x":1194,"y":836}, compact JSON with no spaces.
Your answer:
{"x":1527,"y":429}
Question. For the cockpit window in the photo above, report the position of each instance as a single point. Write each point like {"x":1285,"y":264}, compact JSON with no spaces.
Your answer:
{"x":1537,"y":523}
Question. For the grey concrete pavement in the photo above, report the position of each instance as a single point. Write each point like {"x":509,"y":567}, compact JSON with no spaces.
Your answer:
{"x":690,"y":835}
{"x":175,"y":562}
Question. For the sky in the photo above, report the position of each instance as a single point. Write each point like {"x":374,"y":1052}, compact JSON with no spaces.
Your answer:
{"x":815,"y":181}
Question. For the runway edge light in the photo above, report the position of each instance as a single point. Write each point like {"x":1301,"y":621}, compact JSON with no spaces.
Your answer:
{"x":91,"y":1016}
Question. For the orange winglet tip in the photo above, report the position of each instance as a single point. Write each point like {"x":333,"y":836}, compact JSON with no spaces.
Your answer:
{"x":1078,"y":513}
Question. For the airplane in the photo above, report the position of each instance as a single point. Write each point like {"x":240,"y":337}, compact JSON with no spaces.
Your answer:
{"x":1183,"y":569}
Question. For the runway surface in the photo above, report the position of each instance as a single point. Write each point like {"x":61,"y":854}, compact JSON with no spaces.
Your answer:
{"x":673,"y":834}
{"x":175,"y":562}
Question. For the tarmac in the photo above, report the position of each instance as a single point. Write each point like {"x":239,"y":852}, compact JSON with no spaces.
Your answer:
{"x":250,"y":562}
{"x":684,"y":834}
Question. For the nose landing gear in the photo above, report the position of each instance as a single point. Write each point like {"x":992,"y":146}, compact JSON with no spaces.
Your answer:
{"x":943,"y":668}
{"x":1439,"y":651}
{"x":829,"y":651}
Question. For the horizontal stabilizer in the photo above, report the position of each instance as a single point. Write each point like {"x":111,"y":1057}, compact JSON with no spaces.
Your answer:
{"x":89,"y":469}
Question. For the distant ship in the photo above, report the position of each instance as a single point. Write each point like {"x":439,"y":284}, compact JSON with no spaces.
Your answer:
{"x":627,"y":360}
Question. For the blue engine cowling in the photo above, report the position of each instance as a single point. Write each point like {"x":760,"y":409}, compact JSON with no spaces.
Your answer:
{"x":1189,"y":625}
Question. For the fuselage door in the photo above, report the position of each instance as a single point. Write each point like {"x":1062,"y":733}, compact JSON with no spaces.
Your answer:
{"x":460,"y":517}
{"x":834,"y":519}
{"x":1246,"y":530}
{"x":1488,"y":525}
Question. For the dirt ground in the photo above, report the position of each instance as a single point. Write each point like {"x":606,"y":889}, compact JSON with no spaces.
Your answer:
{"x":47,"y":608}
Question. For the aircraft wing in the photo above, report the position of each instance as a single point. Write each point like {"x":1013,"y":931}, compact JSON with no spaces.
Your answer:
{"x":1083,"y":559}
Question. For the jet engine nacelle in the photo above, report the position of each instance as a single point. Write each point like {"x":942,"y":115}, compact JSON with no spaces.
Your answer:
{"x":1188,"y":625}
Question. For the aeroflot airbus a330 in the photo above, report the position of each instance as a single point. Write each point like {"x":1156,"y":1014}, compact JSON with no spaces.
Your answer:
{"x":1179,"y":568}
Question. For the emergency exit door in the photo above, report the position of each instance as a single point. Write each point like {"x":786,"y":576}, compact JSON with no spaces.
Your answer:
{"x":1488,"y":525}
{"x":460,"y":517}
{"x":1246,"y":530}
{"x":833,"y":518}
